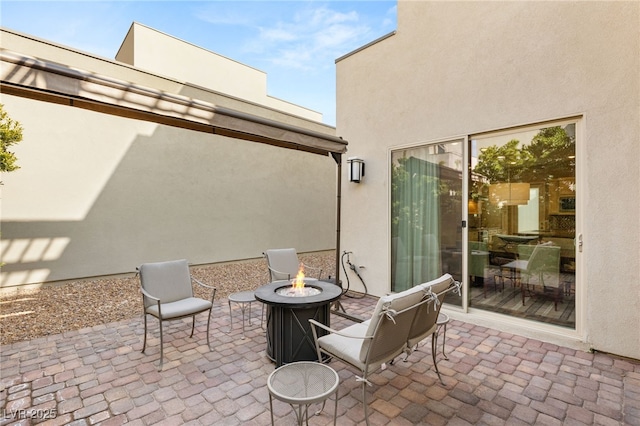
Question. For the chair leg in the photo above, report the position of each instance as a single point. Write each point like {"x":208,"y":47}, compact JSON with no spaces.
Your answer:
{"x":161,"y":346}
{"x":335,"y":409}
{"x":208,"y":324}
{"x":444,"y":340}
{"x":525,"y":288}
{"x":193,"y":325}
{"x":364,"y":402}
{"x":271,"y":408}
{"x":557,"y":296}
{"x":433,"y":355}
{"x":144,"y":341}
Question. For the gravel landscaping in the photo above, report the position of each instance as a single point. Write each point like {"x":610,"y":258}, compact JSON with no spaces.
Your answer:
{"x":54,"y":309}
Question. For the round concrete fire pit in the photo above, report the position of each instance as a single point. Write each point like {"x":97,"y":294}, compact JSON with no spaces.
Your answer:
{"x":289,"y":335}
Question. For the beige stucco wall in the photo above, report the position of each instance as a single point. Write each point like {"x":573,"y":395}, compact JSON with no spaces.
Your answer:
{"x":99,"y":194}
{"x":149,"y":49}
{"x":454,"y":69}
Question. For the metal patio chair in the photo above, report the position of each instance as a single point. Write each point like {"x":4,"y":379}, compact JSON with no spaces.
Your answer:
{"x":399,"y":321}
{"x":167,"y":294}
{"x":283,"y":264}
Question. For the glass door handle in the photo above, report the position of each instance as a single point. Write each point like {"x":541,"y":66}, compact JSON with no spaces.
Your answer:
{"x":579,"y":242}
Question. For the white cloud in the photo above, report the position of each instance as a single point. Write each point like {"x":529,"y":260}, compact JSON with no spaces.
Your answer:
{"x":311,"y":36}
{"x":303,"y":36}
{"x":337,"y":36}
{"x":277,"y":34}
{"x":392,"y":17}
{"x":323,"y":16}
{"x":296,"y":57}
{"x":296,"y":42}
{"x":217,"y":15}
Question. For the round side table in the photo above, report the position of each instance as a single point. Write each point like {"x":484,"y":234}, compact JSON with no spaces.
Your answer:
{"x":244,"y":299}
{"x":303,"y":383}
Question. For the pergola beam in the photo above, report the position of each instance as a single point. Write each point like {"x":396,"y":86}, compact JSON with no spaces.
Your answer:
{"x":51,"y":82}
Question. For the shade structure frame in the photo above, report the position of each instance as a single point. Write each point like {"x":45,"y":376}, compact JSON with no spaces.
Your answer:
{"x":34,"y":78}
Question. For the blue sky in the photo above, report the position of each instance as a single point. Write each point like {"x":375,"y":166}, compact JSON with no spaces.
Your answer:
{"x":295,"y":42}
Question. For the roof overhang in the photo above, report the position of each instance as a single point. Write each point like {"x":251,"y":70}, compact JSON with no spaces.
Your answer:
{"x":33,"y":78}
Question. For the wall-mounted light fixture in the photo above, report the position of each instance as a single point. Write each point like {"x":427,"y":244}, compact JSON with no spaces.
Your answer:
{"x":356,"y":169}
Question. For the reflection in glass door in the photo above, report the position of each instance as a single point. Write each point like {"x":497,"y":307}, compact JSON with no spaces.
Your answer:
{"x":426,"y":212}
{"x":522,"y":223}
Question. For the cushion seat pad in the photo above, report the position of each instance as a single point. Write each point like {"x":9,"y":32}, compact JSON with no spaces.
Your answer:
{"x":348,"y":348}
{"x":181,"y":308}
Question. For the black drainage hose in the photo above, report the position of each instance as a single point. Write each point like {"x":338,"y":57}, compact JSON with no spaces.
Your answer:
{"x":354,"y":269}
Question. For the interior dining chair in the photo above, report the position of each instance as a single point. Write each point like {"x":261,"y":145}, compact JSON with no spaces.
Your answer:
{"x":540,"y":272}
{"x":167,"y":294}
{"x":283,"y":264}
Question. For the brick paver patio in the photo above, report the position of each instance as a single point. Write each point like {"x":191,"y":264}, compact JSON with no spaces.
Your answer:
{"x":98,"y":376}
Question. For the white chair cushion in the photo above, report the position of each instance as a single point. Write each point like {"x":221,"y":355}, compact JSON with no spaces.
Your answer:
{"x":348,"y":348}
{"x":387,"y":299}
{"x":397,"y":302}
{"x":189,"y":306}
{"x":168,"y":281}
{"x":354,"y":351}
{"x":283,"y":261}
{"x":427,"y":314}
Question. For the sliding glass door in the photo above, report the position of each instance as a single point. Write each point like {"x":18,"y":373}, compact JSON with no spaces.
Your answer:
{"x":426,"y":213}
{"x":522,"y":223}
{"x":515,"y":247}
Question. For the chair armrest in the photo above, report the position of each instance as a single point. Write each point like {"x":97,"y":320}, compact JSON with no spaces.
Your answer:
{"x":213,"y":295}
{"x":287,"y":276}
{"x":202,"y":284}
{"x":276,"y":272}
{"x":146,"y":294}
{"x":339,"y":333}
{"x":153,"y":299}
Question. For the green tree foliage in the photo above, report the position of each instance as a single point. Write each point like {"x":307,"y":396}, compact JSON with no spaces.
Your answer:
{"x":501,"y":163}
{"x":550,"y":154}
{"x":10,"y":134}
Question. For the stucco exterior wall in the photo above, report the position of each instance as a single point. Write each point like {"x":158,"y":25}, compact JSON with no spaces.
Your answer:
{"x":99,"y":194}
{"x":149,"y":49}
{"x":453,"y":69}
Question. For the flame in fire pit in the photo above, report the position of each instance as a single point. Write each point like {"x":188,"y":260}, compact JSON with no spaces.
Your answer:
{"x":297,"y":287}
{"x":298,"y":283}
